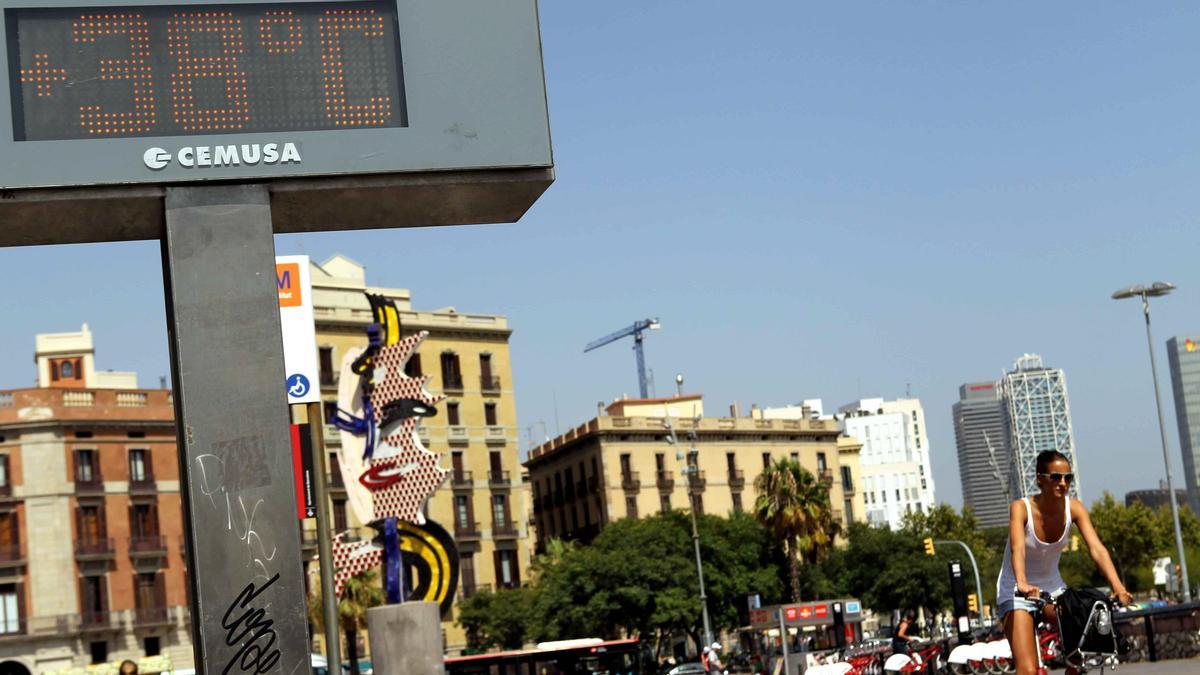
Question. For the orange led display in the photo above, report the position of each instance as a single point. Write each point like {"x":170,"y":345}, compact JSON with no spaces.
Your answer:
{"x":95,"y":119}
{"x":336,"y":23}
{"x":181,"y":30}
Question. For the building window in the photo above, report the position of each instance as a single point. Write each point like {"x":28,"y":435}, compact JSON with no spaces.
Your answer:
{"x":626,"y":472}
{"x":86,"y":470}
{"x":489,"y":414}
{"x":737,"y":502}
{"x":847,"y":479}
{"x":795,"y":457}
{"x":339,"y":515}
{"x":4,"y":471}
{"x":507,"y":574}
{"x":152,"y":645}
{"x":631,"y":507}
{"x":462,"y":511}
{"x":326,"y":364}
{"x":451,"y":373}
{"x":412,"y":367}
{"x":452,"y":414}
{"x":93,"y":600}
{"x":731,"y":463}
{"x":139,"y":465}
{"x":664,"y":503}
{"x":848,"y":505}
{"x":146,"y":591}
{"x":90,"y":524}
{"x":897,"y":494}
{"x":143,"y":521}
{"x":10,"y":609}
{"x":67,"y":371}
{"x":822,"y":466}
{"x":766,"y":460}
{"x":499,"y":511}
{"x":486,"y":381}
{"x":466,"y":571}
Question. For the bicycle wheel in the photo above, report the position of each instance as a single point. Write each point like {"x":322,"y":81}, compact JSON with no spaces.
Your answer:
{"x":961,"y":669}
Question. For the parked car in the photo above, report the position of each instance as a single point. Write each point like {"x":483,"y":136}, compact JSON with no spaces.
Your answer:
{"x":687,"y":669}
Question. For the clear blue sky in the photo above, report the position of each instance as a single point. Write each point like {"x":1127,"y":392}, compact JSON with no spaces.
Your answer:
{"x":818,"y":201}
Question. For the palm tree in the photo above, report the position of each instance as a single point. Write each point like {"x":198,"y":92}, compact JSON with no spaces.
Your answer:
{"x":360,"y":593}
{"x":795,"y":506}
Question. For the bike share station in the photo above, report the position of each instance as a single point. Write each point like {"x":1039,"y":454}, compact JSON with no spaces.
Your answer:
{"x":793,"y":633}
{"x":211,"y":127}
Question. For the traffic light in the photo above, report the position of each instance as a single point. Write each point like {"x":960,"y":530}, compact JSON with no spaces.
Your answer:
{"x":972,"y":604}
{"x":929,"y":546}
{"x":1074,"y":542}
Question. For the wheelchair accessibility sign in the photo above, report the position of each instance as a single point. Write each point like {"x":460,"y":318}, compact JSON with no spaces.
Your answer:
{"x":294,"y":283}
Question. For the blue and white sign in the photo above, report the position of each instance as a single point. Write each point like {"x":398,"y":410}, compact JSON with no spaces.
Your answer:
{"x":294,"y":281}
{"x":853,"y":607}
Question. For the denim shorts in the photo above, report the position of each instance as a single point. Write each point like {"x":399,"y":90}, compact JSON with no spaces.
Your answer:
{"x":1021,"y":603}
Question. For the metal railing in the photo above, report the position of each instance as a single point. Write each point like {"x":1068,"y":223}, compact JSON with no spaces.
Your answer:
{"x":11,"y":553}
{"x":94,"y":483}
{"x":489,"y":383}
{"x":452,"y":382}
{"x":144,"y":484}
{"x":697,"y":480}
{"x":93,"y":620}
{"x":508,"y":529}
{"x":152,"y":543}
{"x":152,"y":616}
{"x":466,"y":530}
{"x":498,"y":478}
{"x":631,"y":480}
{"x":737,"y":478}
{"x":94,"y":547}
{"x":461,"y":478}
{"x":665,"y":480}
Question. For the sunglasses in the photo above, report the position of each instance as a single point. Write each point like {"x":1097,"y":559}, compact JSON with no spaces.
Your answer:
{"x":1067,"y":478}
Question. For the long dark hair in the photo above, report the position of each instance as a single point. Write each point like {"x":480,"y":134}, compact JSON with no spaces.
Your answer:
{"x":1045,"y":457}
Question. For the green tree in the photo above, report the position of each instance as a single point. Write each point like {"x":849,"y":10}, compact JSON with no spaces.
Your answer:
{"x":890,"y":571}
{"x":360,"y":593}
{"x":499,"y":619}
{"x":943,"y":522}
{"x":794,"y":506}
{"x":1131,"y":534}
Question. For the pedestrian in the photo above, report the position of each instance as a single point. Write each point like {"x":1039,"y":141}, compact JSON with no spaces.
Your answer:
{"x":903,"y":634}
{"x":128,"y":668}
{"x":714,"y":659}
{"x":1039,"y":530}
{"x":706,"y":659}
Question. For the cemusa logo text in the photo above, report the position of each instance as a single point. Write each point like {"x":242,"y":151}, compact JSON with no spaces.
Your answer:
{"x":205,"y":156}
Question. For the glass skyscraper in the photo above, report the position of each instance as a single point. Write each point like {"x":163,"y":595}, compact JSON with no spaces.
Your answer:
{"x":1039,"y":419}
{"x":1183,"y":354}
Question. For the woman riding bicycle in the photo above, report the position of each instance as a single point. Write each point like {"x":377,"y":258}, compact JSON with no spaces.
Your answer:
{"x":1039,"y":530}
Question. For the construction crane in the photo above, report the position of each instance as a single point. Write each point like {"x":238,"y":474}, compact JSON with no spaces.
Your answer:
{"x":636,"y":331}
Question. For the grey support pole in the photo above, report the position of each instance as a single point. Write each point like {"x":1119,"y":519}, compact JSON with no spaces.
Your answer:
{"x":333,"y":637}
{"x":235,"y":468}
{"x":1162,"y":430}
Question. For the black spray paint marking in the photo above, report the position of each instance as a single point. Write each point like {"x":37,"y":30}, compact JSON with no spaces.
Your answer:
{"x":253,"y":630}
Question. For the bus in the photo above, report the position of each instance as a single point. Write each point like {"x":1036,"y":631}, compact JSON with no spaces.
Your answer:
{"x":567,"y":657}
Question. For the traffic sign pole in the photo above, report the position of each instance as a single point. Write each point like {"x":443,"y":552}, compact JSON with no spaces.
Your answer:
{"x":247,"y":592}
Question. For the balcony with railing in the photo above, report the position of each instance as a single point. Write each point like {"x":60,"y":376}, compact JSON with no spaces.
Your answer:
{"x":10,"y":554}
{"x":131,"y":399}
{"x":697,"y":480}
{"x":452,"y":382}
{"x":91,"y":620}
{"x":467,"y":590}
{"x":498,"y":479}
{"x":143,"y":484}
{"x":490,"y":384}
{"x":665,"y":480}
{"x":495,"y":435}
{"x":631,"y":480}
{"x":461,"y":479}
{"x":458,"y":434}
{"x":824,"y":474}
{"x":147,"y":545}
{"x":848,"y":485}
{"x":506,"y":530}
{"x":94,"y":548}
{"x":89,"y":483}
{"x":737,"y":478}
{"x":145,"y":617}
{"x":466,"y":530}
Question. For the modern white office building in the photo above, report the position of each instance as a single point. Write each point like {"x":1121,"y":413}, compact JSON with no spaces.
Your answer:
{"x":896,"y":473}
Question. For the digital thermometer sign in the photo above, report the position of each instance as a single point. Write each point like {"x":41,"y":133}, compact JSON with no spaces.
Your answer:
{"x":181,"y":70}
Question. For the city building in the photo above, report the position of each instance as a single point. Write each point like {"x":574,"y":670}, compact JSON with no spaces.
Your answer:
{"x":620,"y":465}
{"x":1156,"y":499}
{"x":1183,"y":357}
{"x":1039,"y":419}
{"x":92,"y":567}
{"x":896,"y":474}
{"x":984,"y":453}
{"x":475,"y":430}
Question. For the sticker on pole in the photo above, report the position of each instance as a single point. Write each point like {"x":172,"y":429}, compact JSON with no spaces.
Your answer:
{"x":293,"y":281}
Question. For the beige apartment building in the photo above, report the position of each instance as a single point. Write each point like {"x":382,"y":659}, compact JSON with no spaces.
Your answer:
{"x":482,"y":503}
{"x":621,"y":465}
{"x":92,"y":565}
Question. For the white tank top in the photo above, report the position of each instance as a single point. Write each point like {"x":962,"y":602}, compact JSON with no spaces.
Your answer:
{"x":1041,"y":559}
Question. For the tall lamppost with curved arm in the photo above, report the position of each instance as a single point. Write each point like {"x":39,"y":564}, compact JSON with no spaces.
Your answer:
{"x":1155,"y":290}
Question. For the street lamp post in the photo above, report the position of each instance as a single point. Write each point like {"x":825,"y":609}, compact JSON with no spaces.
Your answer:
{"x":1156,"y":289}
{"x":688,"y":469}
